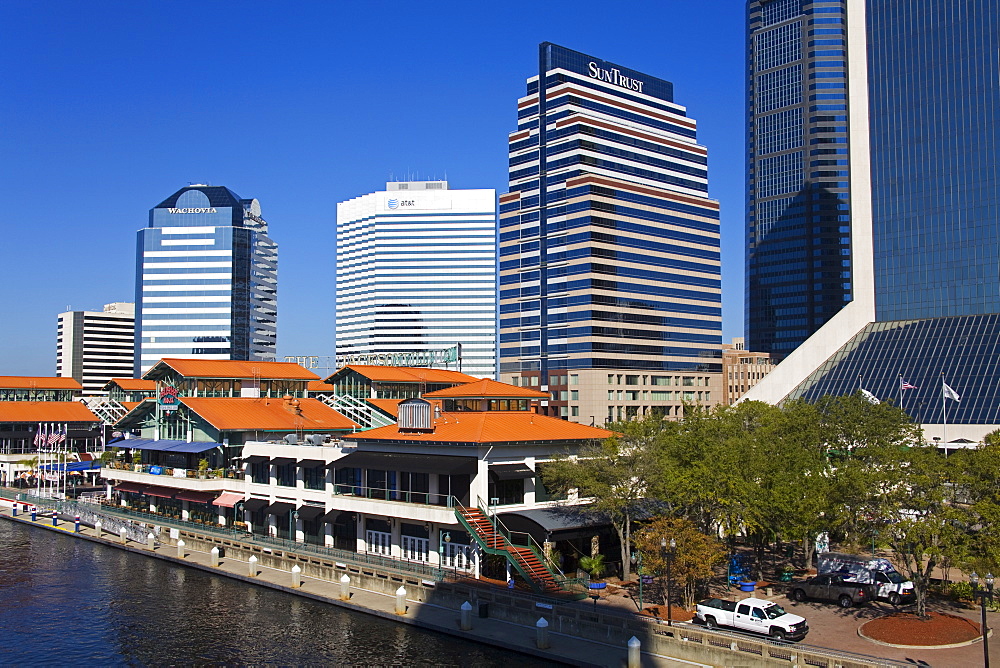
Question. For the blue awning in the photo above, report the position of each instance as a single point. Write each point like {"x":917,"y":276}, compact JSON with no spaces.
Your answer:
{"x":165,"y":445}
{"x":72,"y":466}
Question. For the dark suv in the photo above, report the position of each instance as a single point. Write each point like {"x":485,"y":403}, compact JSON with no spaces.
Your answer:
{"x":832,"y":587}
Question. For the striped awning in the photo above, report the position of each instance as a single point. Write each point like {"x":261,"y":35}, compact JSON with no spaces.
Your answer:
{"x":228,"y":499}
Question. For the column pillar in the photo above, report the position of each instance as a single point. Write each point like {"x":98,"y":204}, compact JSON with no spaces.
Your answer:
{"x":360,"y":532}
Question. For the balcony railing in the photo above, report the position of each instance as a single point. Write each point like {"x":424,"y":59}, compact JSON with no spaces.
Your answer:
{"x":386,"y":494}
{"x":172,"y":472}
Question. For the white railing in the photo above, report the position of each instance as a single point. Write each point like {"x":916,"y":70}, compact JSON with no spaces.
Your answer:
{"x":358,"y":410}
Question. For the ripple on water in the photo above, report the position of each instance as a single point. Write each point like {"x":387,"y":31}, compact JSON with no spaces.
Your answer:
{"x":72,"y":602}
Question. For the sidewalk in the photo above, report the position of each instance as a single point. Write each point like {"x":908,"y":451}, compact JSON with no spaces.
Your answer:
{"x":565,"y":649}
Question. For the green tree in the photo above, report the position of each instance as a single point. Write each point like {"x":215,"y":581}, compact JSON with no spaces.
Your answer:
{"x":617,"y":475}
{"x":694,"y":558}
{"x":594,"y":565}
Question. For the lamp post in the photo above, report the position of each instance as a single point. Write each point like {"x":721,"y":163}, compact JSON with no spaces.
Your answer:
{"x":637,"y":560}
{"x":983,"y":594}
{"x":668,"y":557}
{"x":293,"y":519}
{"x":445,"y":537}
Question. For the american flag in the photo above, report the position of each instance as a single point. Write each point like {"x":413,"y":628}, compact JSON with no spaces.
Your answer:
{"x":903,"y":385}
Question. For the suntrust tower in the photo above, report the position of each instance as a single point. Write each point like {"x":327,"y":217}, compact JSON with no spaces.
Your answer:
{"x":610,"y":294}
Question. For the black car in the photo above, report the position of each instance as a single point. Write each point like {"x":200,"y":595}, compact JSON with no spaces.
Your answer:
{"x":832,"y":587}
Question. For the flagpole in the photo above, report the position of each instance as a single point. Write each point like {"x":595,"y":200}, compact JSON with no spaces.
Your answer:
{"x":944,"y":412}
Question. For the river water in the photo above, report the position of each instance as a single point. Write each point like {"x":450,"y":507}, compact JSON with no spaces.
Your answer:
{"x":72,"y":602}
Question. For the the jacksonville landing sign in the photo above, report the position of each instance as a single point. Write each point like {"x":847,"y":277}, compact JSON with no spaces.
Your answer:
{"x":614,"y":76}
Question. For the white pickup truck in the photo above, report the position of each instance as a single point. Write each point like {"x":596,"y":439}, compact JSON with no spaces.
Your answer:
{"x":757,"y":615}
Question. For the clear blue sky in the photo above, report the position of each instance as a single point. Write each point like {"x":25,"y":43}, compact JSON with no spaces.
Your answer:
{"x":109,"y":107}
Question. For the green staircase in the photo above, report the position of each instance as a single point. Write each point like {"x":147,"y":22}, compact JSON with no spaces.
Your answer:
{"x":519,"y":549}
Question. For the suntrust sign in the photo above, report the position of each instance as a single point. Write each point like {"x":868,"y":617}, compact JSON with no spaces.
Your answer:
{"x":202,"y":210}
{"x":614,"y":76}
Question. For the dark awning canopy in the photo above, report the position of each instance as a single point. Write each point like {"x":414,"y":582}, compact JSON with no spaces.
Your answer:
{"x":195,"y":497}
{"x":161,"y":492}
{"x":512,"y":471}
{"x":308,"y":513}
{"x":255,"y":459}
{"x":281,"y":461}
{"x":129,"y":487}
{"x":253,"y":505}
{"x":563,"y":523}
{"x":166,"y":445}
{"x":311,"y":463}
{"x":279,"y":507}
{"x":409,"y":462}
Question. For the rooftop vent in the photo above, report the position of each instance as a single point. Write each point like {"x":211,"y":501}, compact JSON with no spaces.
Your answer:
{"x":415,"y":415}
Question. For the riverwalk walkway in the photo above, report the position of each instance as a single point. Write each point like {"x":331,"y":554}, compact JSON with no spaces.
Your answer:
{"x":563,"y":648}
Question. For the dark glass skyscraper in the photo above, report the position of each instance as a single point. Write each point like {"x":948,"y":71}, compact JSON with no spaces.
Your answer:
{"x":921,"y":255}
{"x":798,"y":211}
{"x":206,"y":280}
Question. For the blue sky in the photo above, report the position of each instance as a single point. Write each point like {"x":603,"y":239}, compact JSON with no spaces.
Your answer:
{"x":109,"y":107}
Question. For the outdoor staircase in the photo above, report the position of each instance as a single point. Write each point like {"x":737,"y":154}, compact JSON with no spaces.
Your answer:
{"x":359,"y":410}
{"x":108,"y":410}
{"x":526,"y":560}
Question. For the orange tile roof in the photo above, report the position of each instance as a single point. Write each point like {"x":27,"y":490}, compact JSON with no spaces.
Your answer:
{"x":407,"y":374}
{"x":129,"y":405}
{"x":490,"y":427}
{"x":133,"y":384}
{"x":319,"y":386}
{"x":195,"y":368}
{"x":39,"y":383}
{"x":267,"y":414}
{"x":45,"y":411}
{"x":486,"y":388}
{"x":388,"y":406}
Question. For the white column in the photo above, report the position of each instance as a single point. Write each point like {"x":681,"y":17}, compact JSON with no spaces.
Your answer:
{"x":529,"y":487}
{"x":479,"y":487}
{"x":185,"y":511}
{"x":395,"y":549}
{"x":360,"y":531}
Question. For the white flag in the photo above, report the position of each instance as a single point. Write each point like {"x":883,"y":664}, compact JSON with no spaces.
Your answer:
{"x":948,"y":392}
{"x":871,"y":398}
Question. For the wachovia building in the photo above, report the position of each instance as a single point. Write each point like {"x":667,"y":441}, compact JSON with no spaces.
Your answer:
{"x":610,"y":296}
{"x":206,"y":280}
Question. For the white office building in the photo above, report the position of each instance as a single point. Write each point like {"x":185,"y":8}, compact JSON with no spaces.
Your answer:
{"x":206,"y":280}
{"x":93,"y":347}
{"x":416,"y":272}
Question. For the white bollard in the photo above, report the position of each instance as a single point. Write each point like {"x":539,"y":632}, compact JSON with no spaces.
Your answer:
{"x":214,"y":554}
{"x":151,"y":541}
{"x":97,"y":528}
{"x":123,"y":533}
{"x":253,"y":566}
{"x":180,"y":549}
{"x":401,"y":601}
{"x":345,"y":587}
{"x":542,"y":633}
{"x":296,"y":576}
{"x":634,"y":652}
{"x":466,"y":616}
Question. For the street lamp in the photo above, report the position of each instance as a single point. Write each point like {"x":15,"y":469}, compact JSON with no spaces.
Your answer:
{"x":983,"y":594}
{"x":668,"y":557}
{"x":637,"y":560}
{"x":293,"y":520}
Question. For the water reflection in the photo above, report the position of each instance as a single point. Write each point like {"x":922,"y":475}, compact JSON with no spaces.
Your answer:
{"x":67,"y":601}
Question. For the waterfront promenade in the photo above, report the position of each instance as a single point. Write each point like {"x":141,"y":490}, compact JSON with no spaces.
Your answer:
{"x":571,"y":650}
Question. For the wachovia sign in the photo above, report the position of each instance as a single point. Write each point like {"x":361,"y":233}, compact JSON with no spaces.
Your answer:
{"x":210,"y":209}
{"x":614,"y":76}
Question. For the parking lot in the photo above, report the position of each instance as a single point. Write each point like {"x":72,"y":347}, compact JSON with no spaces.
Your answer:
{"x":837,"y":628}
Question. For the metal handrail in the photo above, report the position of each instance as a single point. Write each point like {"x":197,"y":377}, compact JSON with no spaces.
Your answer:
{"x":532,"y":544}
{"x":356,"y":558}
{"x":387,"y":494}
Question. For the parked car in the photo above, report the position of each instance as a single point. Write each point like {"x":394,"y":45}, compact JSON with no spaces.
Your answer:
{"x":892,"y":586}
{"x":832,"y":587}
{"x":753,"y":614}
